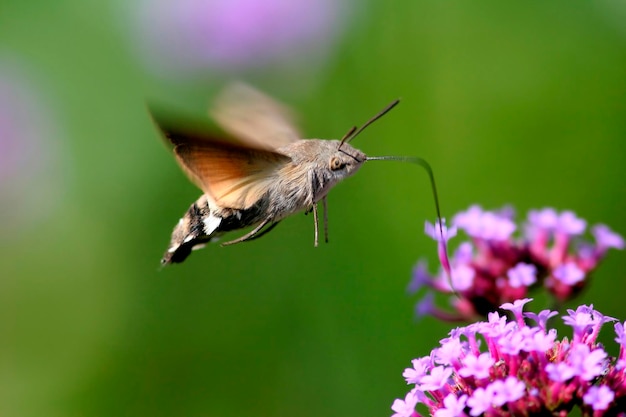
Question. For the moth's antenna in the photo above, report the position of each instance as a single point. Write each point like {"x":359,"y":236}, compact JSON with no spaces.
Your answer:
{"x":421,"y":162}
{"x":347,"y":135}
{"x":354,"y":132}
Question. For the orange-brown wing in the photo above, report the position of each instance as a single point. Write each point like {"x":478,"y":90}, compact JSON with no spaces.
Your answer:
{"x":233,"y":174}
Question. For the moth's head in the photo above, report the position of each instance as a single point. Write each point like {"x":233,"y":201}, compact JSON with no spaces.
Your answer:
{"x":338,"y":162}
{"x":344,"y":160}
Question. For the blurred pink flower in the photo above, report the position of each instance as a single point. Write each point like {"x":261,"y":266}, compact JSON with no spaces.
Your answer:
{"x":27,"y":181}
{"x":226,"y":35}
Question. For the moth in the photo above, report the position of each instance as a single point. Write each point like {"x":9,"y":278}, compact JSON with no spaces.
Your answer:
{"x":257,"y":173}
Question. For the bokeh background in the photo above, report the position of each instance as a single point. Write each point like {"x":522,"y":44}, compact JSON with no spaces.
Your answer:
{"x":519,"y":103}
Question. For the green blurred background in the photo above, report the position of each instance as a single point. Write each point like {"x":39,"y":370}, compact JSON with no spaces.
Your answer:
{"x":512,"y":103}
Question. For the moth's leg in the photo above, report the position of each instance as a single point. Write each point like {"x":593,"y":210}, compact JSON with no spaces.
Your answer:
{"x":263,"y":232}
{"x":315,"y":221}
{"x":249,"y":235}
{"x":325,"y":204}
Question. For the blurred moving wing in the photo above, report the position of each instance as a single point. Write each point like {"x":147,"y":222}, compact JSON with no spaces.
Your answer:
{"x":254,"y":118}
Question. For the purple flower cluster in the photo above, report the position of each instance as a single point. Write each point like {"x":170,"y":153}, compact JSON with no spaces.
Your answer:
{"x":497,"y":267}
{"x":507,"y":367}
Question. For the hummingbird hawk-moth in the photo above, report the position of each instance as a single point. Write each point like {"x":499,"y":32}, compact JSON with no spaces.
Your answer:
{"x":256,"y":174}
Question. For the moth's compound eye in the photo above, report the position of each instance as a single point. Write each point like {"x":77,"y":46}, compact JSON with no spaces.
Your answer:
{"x":336,"y":163}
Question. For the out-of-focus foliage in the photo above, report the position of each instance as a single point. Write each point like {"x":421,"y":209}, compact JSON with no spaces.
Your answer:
{"x":519,"y":103}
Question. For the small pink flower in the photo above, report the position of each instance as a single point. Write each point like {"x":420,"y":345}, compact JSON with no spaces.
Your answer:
{"x":496,"y":267}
